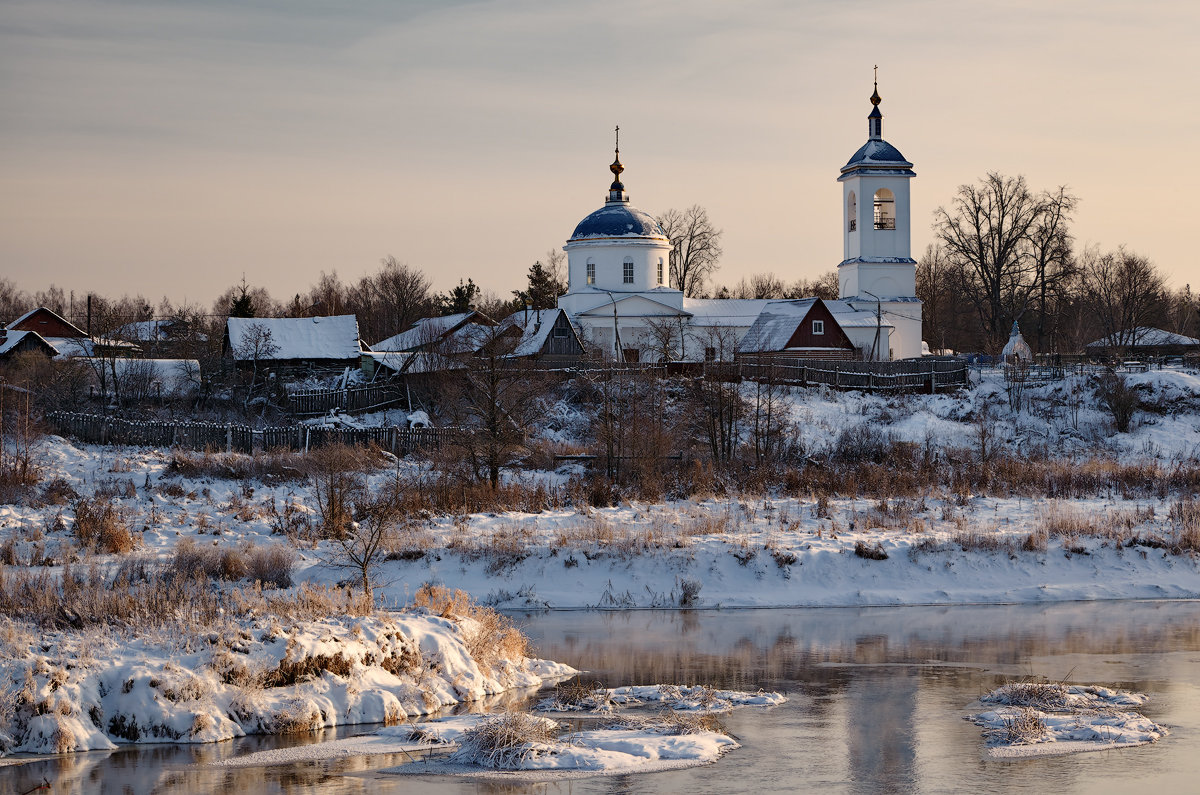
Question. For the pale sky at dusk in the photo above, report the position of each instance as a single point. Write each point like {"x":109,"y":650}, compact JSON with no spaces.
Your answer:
{"x":166,"y":148}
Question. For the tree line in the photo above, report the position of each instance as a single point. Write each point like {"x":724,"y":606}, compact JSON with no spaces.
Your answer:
{"x":1003,"y":252}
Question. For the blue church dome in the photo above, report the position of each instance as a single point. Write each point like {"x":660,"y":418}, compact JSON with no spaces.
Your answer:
{"x":877,"y":152}
{"x":618,"y":219}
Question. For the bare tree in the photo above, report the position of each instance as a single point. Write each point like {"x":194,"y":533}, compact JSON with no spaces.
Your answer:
{"x":256,"y":346}
{"x":1184,"y":312}
{"x":497,"y":397}
{"x":363,"y":543}
{"x":13,"y":302}
{"x":825,"y":287}
{"x":759,"y":285}
{"x":390,"y":301}
{"x":1122,"y":292}
{"x":1050,"y":248}
{"x":989,"y":233}
{"x":664,"y":338}
{"x":719,"y":407}
{"x":695,"y":247}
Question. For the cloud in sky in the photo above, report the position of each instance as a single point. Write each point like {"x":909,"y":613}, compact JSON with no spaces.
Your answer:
{"x":166,"y":148}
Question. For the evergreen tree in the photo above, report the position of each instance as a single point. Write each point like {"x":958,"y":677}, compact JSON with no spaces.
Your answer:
{"x":243,"y":304}
{"x":460,"y":299}
{"x":543,"y":290}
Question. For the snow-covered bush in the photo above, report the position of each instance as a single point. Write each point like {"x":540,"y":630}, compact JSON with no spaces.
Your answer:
{"x":506,"y":741}
{"x":1119,"y":398}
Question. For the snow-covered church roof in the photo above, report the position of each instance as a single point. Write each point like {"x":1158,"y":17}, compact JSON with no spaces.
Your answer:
{"x":618,"y":220}
{"x":1016,"y":348}
{"x":877,"y":155}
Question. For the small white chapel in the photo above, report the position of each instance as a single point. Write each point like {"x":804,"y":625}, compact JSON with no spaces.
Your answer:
{"x":620,"y":298}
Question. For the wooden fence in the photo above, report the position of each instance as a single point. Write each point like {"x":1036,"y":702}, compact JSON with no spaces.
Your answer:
{"x":918,"y":375}
{"x":99,"y":429}
{"x":311,"y":402}
{"x":231,"y":437}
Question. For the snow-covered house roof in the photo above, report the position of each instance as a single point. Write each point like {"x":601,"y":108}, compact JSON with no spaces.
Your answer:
{"x":427,"y":331}
{"x":414,"y":362}
{"x":536,"y":327}
{"x":24,"y":340}
{"x":309,"y":338}
{"x":46,"y":322}
{"x":72,"y":346}
{"x":153,"y":330}
{"x":777,"y":322}
{"x":1145,"y":336}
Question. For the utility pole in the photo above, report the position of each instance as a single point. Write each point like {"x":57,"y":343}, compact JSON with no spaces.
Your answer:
{"x":878,"y":327}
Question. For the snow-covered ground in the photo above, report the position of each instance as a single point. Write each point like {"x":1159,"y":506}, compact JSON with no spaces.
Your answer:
{"x":609,"y":744}
{"x":750,"y":551}
{"x":90,"y":689}
{"x":1045,"y":719}
{"x":77,"y":691}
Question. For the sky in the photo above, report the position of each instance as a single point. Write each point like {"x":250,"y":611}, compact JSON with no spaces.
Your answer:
{"x":169,"y":148}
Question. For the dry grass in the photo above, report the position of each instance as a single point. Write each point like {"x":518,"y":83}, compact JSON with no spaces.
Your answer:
{"x":1024,"y":727}
{"x":270,"y":565}
{"x":1045,"y":696}
{"x":505,"y":741}
{"x":100,"y":527}
{"x":983,"y":541}
{"x":670,"y":722}
{"x":1184,"y":516}
{"x":142,"y":595}
{"x":271,"y":466}
{"x":490,"y":636}
{"x":870,"y":551}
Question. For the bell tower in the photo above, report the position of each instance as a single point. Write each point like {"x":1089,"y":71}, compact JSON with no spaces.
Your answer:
{"x":877,"y":270}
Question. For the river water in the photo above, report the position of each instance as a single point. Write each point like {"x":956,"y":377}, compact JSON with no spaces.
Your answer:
{"x":877,"y":699}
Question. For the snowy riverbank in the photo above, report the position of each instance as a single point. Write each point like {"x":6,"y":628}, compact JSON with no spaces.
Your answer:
{"x":89,"y":690}
{"x":776,"y":553}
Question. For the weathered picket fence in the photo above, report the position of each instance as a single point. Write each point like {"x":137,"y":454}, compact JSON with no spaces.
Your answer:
{"x":232,"y":437}
{"x":917,"y":375}
{"x":310,"y":402}
{"x":100,"y":429}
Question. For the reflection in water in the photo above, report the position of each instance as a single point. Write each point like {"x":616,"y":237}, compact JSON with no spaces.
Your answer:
{"x":878,"y":696}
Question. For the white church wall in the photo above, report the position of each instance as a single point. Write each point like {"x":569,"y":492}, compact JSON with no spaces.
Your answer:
{"x":609,"y":257}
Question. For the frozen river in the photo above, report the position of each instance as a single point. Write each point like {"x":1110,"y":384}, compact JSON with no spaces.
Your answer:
{"x":877,"y":699}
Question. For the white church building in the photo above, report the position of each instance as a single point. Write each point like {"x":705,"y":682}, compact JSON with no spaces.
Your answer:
{"x":620,"y":298}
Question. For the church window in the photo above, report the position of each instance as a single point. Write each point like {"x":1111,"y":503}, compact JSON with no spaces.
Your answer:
{"x":660,"y":271}
{"x":885,"y":209}
{"x":710,"y":354}
{"x":628,"y":270}
{"x":591,"y":272}
{"x":818,"y":327}
{"x":852,"y":212}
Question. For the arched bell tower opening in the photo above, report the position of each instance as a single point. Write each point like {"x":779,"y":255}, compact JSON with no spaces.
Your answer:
{"x":885,"y":209}
{"x":852,"y":213}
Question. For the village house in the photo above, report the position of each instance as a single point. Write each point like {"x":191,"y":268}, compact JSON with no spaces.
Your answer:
{"x":293,"y":344}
